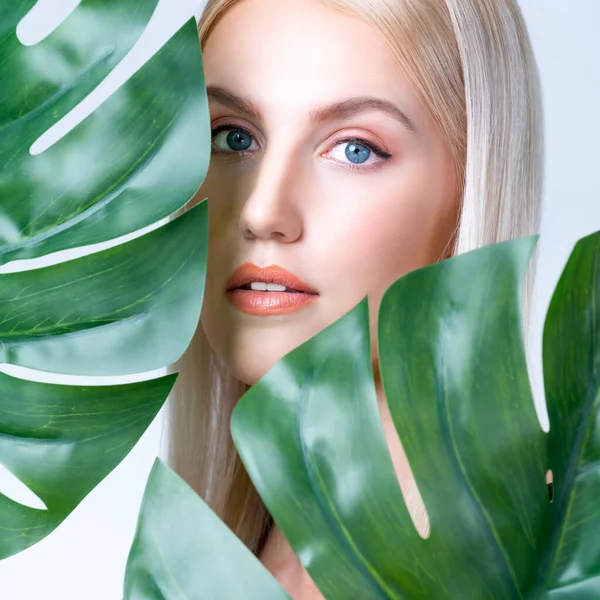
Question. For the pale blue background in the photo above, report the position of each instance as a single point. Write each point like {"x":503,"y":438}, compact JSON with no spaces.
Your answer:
{"x":85,"y":558}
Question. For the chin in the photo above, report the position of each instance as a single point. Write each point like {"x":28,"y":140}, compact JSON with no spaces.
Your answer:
{"x":250,"y":353}
{"x":250,"y":364}
{"x":251,"y":371}
{"x":250,"y":348}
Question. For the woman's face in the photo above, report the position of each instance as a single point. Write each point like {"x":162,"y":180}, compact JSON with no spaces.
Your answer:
{"x":323,"y":163}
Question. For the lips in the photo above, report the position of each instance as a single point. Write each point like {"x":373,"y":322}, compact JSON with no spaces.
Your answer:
{"x":297,"y":295}
{"x":249,"y":272}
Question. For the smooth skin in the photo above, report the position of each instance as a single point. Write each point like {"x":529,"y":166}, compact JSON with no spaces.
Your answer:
{"x":284,"y":188}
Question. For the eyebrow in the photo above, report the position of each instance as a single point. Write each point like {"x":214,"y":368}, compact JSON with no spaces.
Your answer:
{"x":338,"y":110}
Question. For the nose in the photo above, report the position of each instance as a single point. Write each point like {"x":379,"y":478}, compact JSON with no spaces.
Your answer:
{"x":272,"y":210}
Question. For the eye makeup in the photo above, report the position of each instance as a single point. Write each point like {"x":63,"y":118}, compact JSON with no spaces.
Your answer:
{"x":344,"y":140}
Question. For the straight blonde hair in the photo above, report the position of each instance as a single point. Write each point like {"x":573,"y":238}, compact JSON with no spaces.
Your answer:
{"x":472,"y":65}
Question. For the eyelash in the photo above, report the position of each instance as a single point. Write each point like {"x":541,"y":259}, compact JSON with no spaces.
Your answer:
{"x":355,"y":140}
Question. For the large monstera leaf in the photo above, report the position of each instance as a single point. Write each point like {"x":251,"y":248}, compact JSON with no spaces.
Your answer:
{"x":183,"y":550}
{"x":129,"y":309}
{"x":135,"y":160}
{"x":455,"y":377}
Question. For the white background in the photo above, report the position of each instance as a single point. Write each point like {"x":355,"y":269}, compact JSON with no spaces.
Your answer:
{"x":85,"y":558}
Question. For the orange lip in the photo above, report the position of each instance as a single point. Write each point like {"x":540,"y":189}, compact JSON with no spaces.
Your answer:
{"x":298,"y":295}
{"x":249,"y":272}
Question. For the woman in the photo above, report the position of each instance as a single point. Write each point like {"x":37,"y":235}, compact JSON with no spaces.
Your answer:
{"x":352,"y":142}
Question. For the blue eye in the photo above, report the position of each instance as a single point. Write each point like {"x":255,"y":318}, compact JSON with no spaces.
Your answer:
{"x":357,"y":153}
{"x":235,"y":140}
{"x":238,"y":140}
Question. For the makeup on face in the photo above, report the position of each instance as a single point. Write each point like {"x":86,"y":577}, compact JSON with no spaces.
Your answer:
{"x":325,"y":170}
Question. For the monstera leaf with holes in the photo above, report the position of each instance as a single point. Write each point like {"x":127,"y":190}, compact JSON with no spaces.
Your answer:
{"x":455,"y":377}
{"x":129,"y":309}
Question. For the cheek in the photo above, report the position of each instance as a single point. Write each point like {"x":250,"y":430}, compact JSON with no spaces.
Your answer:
{"x":397,"y":230}
{"x":386,"y":231}
{"x":224,"y":193}
{"x":217,"y":189}
{"x":395,"y":242}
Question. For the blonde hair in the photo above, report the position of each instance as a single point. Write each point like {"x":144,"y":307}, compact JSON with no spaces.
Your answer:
{"x":472,"y":65}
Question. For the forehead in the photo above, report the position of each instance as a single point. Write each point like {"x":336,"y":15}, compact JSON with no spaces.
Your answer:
{"x":287,"y":54}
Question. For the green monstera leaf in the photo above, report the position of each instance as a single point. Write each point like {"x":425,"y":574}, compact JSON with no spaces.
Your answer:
{"x":134,"y":161}
{"x":454,"y":373}
{"x":183,"y":550}
{"x":129,"y":309}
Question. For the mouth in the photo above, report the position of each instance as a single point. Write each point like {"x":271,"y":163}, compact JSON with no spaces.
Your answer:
{"x":268,"y":291}
{"x":272,"y":279}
